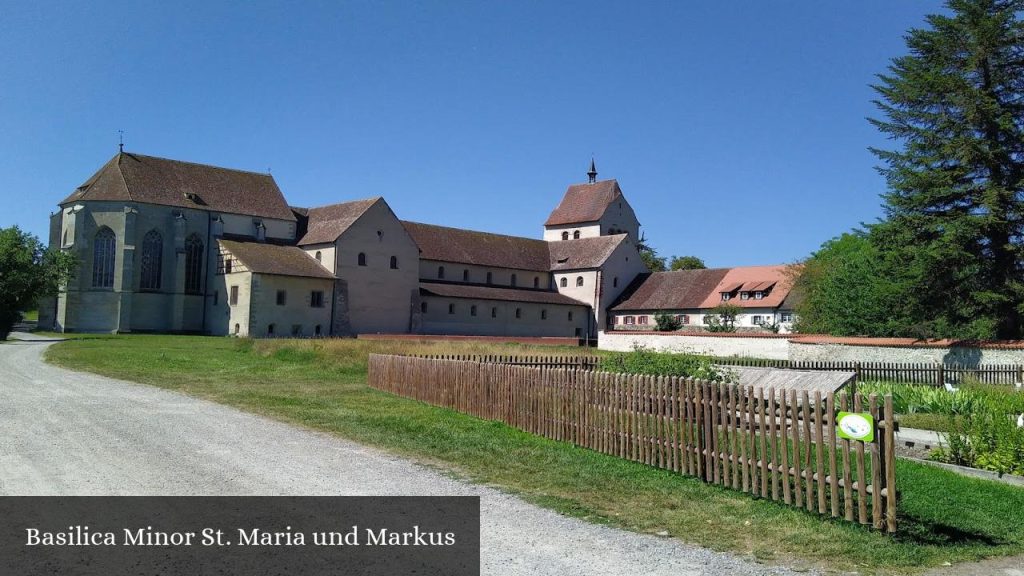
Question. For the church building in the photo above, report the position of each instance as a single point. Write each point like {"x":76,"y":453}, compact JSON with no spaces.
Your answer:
{"x":172,"y":246}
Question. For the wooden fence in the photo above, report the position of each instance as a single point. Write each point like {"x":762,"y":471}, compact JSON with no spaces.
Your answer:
{"x":776,"y":444}
{"x":934,"y":373}
{"x":576,"y":361}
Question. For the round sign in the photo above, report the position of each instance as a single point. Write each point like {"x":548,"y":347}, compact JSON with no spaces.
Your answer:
{"x":855,"y":426}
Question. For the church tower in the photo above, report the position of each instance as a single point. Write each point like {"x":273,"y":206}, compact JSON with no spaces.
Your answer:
{"x":597,"y":208}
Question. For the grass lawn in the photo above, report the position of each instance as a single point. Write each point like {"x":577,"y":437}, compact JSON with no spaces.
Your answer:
{"x":30,"y":316}
{"x":322,"y":384}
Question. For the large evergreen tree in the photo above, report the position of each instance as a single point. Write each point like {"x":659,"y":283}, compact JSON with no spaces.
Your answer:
{"x":954,"y":209}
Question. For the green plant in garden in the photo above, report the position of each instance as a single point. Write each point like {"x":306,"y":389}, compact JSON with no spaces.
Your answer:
{"x":643,"y":360}
{"x":666,"y":322}
{"x":722,"y":318}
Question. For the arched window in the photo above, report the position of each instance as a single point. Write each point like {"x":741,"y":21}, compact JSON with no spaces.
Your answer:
{"x":570,"y":315}
{"x":440,"y":272}
{"x":64,"y":242}
{"x":104,"y":249}
{"x":472,"y":310}
{"x":512,"y":281}
{"x":494,"y":312}
{"x":565,"y":235}
{"x":465,"y":275}
{"x":615,"y":282}
{"x":317,"y":330}
{"x":152,"y":260}
{"x":237,"y":329}
{"x":519,"y":312}
{"x":451,"y":308}
{"x":318,"y":255}
{"x":543,"y":314}
{"x":489,"y":276}
{"x":564,"y":282}
{"x":536,"y":282}
{"x":394,"y":262}
{"x":576,"y":235}
{"x":270,"y":330}
{"x":579,"y":280}
{"x":193,"y":264}
{"x":361,"y":259}
{"x":423,"y":307}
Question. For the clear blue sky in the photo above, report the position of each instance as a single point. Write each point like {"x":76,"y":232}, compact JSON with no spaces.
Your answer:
{"x":737,"y":130}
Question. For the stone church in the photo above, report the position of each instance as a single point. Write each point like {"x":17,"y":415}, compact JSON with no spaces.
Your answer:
{"x":173,"y":246}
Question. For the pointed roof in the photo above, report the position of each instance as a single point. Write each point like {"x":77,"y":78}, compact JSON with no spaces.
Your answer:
{"x":277,"y":260}
{"x":326,"y":223}
{"x":129,"y":177}
{"x":750,"y":279}
{"x":478,"y":248}
{"x":676,"y":290}
{"x":584,"y":203}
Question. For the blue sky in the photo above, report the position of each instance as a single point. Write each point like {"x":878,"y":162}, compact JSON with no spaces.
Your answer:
{"x":737,"y":130}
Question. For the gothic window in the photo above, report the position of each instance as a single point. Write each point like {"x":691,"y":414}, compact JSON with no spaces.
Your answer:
{"x":152,"y":260}
{"x":103,"y":255}
{"x":193,"y":264}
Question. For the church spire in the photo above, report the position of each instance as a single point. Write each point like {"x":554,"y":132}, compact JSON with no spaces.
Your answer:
{"x":593,"y":171}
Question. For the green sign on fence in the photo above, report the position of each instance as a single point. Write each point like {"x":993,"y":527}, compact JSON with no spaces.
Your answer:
{"x":856,"y":426}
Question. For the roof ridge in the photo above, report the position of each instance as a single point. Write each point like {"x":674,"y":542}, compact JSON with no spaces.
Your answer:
{"x":137,"y":155}
{"x":474,"y":231}
{"x":371,"y":199}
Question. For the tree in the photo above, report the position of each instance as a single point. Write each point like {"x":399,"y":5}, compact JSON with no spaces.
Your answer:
{"x":650,"y":257}
{"x":28,"y":272}
{"x":686,"y":263}
{"x":722,"y":318}
{"x":845,"y":290}
{"x":666,"y":322}
{"x":954,"y":217}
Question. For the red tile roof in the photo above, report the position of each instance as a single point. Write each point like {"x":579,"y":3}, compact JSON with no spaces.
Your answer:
{"x":478,"y":248}
{"x":147,"y":179}
{"x":584,"y":203}
{"x":277,"y":260}
{"x":583,"y":253}
{"x":741,"y":277}
{"x":327,"y":223}
{"x":678,"y":290}
{"x":494,"y":293}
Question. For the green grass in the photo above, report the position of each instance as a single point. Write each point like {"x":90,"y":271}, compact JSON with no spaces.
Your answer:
{"x":30,"y":316}
{"x":322,"y":384}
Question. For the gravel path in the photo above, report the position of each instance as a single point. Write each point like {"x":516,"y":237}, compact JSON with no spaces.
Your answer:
{"x":69,"y":433}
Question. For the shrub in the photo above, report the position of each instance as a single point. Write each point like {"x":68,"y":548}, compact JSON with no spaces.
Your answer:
{"x":667,"y":322}
{"x":643,"y":360}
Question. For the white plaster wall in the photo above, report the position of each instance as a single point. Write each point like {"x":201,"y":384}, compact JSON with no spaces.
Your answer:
{"x":222,"y":316}
{"x":453,"y":272}
{"x":437,"y":320}
{"x":952,"y":355}
{"x":586,"y":230}
{"x":620,"y":217}
{"x":723,"y":346}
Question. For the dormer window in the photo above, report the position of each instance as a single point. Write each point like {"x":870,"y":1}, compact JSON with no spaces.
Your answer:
{"x":725,"y":296}
{"x":744,"y":295}
{"x":758,"y":295}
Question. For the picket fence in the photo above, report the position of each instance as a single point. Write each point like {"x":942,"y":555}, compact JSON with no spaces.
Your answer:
{"x":935,"y":373}
{"x":775,"y":444}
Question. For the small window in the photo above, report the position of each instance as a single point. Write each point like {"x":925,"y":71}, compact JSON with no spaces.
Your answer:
{"x":579,"y":333}
{"x":465,"y":275}
{"x":758,"y":295}
{"x":423,"y":307}
{"x":317,"y":331}
{"x":238,"y":328}
{"x":565,"y":235}
{"x":451,"y":308}
{"x":489,"y":277}
{"x":536,"y":282}
{"x":725,"y":296}
{"x":641,"y":320}
{"x":615,"y":282}
{"x":228,"y":264}
{"x":684,"y":318}
{"x":564,"y":282}
{"x":629,"y":320}
{"x":270,"y":330}
{"x":282,"y":297}
{"x":519,"y":312}
{"x":579,"y":280}
{"x":318,"y":256}
{"x":570,"y":315}
{"x":361,"y":259}
{"x":786,"y":317}
{"x":512,"y":281}
{"x":472,"y":310}
{"x":440,"y":272}
{"x":216,"y":297}
{"x":494,"y":311}
{"x":576,"y":235}
{"x":233,"y":297}
{"x":744,"y":295}
{"x":394,"y":262}
{"x":316,"y":299}
{"x":296,"y":330}
{"x":543,"y":314}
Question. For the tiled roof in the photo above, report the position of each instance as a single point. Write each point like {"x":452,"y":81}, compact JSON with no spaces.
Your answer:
{"x":495,"y":293}
{"x":583,"y":253}
{"x":744,"y":278}
{"x":147,"y":179}
{"x":678,"y":290}
{"x":478,"y":248}
{"x":279,"y":260}
{"x":584,"y":203}
{"x":326,"y":223}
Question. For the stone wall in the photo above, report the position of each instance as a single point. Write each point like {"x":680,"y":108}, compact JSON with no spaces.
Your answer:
{"x":968,"y":356}
{"x":724,"y":345}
